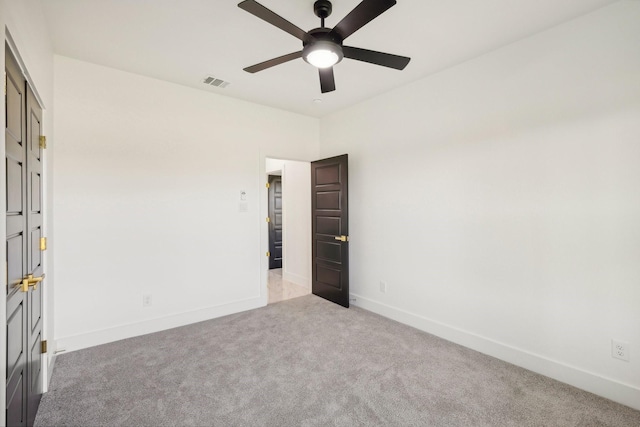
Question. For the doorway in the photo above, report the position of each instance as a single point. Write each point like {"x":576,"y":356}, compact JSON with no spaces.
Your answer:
{"x":289,"y":229}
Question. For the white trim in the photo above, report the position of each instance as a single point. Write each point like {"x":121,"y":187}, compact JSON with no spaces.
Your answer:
{"x":23,"y":68}
{"x":51,"y":359}
{"x":3,"y":252}
{"x":297,"y":279}
{"x":104,"y":336}
{"x":606,"y":387}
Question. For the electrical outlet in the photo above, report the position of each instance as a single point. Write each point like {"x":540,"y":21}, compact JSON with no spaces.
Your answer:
{"x":146,"y":300}
{"x":383,"y":287}
{"x":620,"y":350}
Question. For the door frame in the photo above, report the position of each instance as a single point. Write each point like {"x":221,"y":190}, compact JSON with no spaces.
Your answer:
{"x":47,"y":359}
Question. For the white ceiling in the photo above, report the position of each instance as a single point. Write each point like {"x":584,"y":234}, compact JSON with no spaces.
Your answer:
{"x":182,"y":41}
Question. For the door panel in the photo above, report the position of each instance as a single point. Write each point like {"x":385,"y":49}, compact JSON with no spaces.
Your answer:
{"x":36,"y":191}
{"x":14,"y":98}
{"x":35,"y":312}
{"x":328,"y":200}
{"x":14,"y":263}
{"x":16,"y":407}
{"x":328,"y":226}
{"x":35,"y":114}
{"x":16,"y":325}
{"x":36,"y":256}
{"x":329,"y":251}
{"x":328,"y":277}
{"x":14,"y":187}
{"x":329,"y":207}
{"x":35,"y":366}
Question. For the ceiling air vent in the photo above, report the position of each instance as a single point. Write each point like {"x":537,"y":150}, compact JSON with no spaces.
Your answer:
{"x":213,"y":81}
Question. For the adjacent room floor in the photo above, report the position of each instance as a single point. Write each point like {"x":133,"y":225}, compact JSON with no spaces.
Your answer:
{"x":281,"y":290}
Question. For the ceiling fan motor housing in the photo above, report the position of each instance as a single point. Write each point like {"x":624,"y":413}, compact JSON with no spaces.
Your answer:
{"x":323,"y":34}
{"x":322,"y":8}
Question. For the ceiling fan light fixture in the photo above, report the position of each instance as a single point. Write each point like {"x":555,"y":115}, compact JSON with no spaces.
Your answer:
{"x":322,"y":54}
{"x":322,"y":58}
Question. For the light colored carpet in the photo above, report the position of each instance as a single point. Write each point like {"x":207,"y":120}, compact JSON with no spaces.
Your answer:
{"x":308,"y":362}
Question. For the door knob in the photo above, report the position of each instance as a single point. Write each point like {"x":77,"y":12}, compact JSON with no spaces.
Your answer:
{"x":342,"y":238}
{"x":29,"y":281}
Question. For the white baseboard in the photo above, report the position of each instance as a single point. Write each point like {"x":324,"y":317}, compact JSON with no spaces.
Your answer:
{"x":297,"y":279}
{"x":606,"y":387}
{"x":91,"y":339}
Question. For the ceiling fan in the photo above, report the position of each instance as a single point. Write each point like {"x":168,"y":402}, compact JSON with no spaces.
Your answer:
{"x":322,"y":47}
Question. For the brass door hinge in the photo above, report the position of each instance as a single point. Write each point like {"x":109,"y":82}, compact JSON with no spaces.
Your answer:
{"x":43,"y":141}
{"x":268,"y":185}
{"x":43,"y":243}
{"x":268,"y":219}
{"x":44,"y":346}
{"x":268,"y":254}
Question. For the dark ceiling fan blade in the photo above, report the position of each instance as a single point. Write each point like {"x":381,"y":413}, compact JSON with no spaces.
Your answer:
{"x":378,"y":58}
{"x":361,"y":15}
{"x":273,"y":62}
{"x":255,"y":8}
{"x":327,"y":82}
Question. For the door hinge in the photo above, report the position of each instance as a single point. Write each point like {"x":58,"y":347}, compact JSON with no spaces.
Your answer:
{"x":5,"y":83}
{"x":268,"y":185}
{"x":268,"y":219}
{"x":44,"y":346}
{"x":43,"y":243}
{"x":268,"y":254}
{"x":43,"y":141}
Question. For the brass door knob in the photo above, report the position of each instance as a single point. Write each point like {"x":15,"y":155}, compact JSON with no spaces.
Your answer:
{"x":30,"y":281}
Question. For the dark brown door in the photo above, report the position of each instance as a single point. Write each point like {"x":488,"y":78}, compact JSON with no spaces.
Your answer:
{"x":24,"y":257}
{"x":330,"y":229}
{"x":275,"y":222}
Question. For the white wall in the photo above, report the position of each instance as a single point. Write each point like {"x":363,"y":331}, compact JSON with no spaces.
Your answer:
{"x":296,"y":217}
{"x":147,"y":181}
{"x":274,"y":166}
{"x":296,"y":203}
{"x":25,"y":24}
{"x":500,"y":201}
